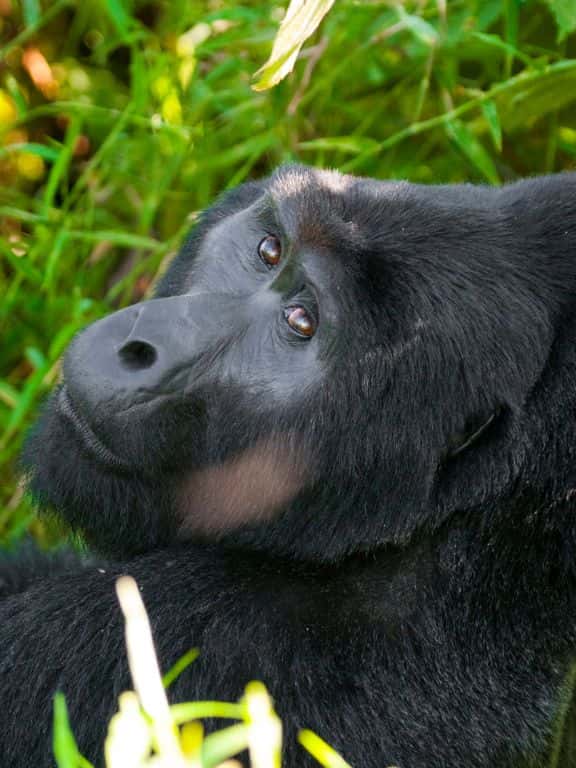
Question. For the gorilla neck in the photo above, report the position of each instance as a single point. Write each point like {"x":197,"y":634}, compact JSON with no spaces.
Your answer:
{"x":464,"y":568}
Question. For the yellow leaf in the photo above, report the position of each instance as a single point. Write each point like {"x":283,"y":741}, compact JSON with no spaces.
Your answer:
{"x":302,"y":19}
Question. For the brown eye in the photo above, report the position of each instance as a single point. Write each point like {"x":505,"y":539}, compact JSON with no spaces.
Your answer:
{"x":270,"y":250}
{"x":300,"y":321}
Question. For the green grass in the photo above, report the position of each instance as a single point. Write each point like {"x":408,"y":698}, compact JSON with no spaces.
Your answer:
{"x":148,"y":113}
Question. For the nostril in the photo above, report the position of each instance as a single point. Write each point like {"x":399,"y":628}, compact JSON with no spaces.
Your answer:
{"x":137,"y":355}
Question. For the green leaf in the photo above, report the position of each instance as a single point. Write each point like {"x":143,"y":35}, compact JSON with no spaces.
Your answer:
{"x":8,"y":394}
{"x":62,"y":339}
{"x":182,"y":664}
{"x":496,"y":42}
{"x":27,"y":398}
{"x":21,"y":264}
{"x":463,"y":137}
{"x":511,"y":12}
{"x":251,"y":148}
{"x":61,"y":166}
{"x":124,"y":239}
{"x":321,"y":751}
{"x":564,"y":11}
{"x":490,"y":112}
{"x":563,"y":736}
{"x":47,"y":153}
{"x":352,"y":145}
{"x":31,"y":12}
{"x":64,"y":745}
{"x":537,"y":94}
{"x":420,"y":29}
{"x":302,"y":19}
{"x":65,"y":749}
{"x":36,"y":358}
{"x":119,"y":16}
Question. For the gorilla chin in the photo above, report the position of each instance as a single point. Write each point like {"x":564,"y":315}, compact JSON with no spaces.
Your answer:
{"x":71,"y":472}
{"x":167,"y":503}
{"x":336,"y":451}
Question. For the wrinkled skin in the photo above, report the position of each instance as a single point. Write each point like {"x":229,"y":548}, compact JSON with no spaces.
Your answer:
{"x":340,"y":462}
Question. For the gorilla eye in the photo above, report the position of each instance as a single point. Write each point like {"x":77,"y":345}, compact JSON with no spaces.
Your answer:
{"x":270,"y":250}
{"x":300,"y":321}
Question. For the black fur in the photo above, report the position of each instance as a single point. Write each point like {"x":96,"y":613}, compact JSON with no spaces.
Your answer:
{"x":378,"y":521}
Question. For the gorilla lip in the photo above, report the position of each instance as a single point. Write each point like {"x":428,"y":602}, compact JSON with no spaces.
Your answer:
{"x":86,"y":434}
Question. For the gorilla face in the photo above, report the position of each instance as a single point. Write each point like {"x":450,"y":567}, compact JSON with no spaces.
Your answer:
{"x":325,"y":365}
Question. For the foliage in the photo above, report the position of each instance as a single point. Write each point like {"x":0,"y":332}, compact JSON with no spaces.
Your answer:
{"x":147,"y":733}
{"x":121,"y":119}
{"x":301,"y":20}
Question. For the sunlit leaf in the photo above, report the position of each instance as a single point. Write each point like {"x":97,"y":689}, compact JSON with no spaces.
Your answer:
{"x":223,"y":744}
{"x":265,"y":736}
{"x":321,"y":751}
{"x":129,"y":739}
{"x":199,"y":709}
{"x":64,"y":745}
{"x":301,"y":20}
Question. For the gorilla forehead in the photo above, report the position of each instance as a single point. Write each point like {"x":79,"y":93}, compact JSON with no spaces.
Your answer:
{"x":327,"y":208}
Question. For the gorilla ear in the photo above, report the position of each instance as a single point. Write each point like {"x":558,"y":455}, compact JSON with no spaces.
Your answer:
{"x":470,"y":435}
{"x":434,"y":462}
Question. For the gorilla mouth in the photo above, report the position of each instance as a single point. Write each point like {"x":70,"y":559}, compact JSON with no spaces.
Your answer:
{"x":91,"y":442}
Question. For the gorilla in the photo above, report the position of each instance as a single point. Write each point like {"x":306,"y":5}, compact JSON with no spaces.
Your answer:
{"x":337,"y":451}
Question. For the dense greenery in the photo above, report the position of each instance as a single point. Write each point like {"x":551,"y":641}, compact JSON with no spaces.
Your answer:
{"x":121,"y":119}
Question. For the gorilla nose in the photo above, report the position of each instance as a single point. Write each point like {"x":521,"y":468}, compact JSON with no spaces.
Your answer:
{"x":137,"y":355}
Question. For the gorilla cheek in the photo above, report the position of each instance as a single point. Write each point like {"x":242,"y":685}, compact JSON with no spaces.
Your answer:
{"x":251,"y":487}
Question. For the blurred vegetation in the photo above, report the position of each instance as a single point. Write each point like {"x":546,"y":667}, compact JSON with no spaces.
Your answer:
{"x":121,"y":119}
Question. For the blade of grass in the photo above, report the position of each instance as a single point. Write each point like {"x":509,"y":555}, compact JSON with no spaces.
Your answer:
{"x":61,"y":166}
{"x":469,"y":145}
{"x":64,"y":745}
{"x":182,"y":664}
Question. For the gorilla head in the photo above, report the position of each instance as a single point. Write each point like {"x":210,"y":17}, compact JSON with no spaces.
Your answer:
{"x":329,"y":365}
